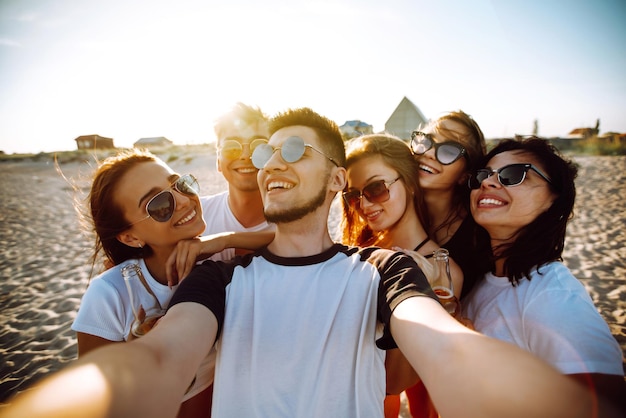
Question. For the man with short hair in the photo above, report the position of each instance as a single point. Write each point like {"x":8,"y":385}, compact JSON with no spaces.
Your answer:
{"x":239,"y":209}
{"x":234,"y":218}
{"x":301,"y":325}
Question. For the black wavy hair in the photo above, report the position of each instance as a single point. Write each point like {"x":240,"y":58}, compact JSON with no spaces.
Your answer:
{"x":542,"y":240}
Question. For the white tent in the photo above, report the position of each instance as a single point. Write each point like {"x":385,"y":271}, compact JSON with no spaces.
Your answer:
{"x":405,"y":119}
{"x":153,"y":142}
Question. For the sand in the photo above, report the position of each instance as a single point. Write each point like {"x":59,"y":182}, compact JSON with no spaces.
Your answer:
{"x":45,"y":270}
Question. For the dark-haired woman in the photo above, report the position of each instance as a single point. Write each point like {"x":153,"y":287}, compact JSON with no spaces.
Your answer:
{"x":446,"y":150}
{"x":523,"y":198}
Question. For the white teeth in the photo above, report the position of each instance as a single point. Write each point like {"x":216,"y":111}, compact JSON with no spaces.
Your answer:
{"x":427,"y":168}
{"x":279,"y":185}
{"x":490,"y":202}
{"x":246,"y":170}
{"x":187,"y":218}
{"x":373,"y":214}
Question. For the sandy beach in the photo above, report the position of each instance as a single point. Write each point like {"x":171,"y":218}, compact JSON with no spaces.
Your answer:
{"x":45,"y":268}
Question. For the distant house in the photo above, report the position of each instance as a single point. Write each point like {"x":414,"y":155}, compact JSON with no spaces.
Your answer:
{"x":581,"y":133}
{"x":94,"y":142}
{"x":613,"y":138}
{"x":584,"y":133}
{"x":154,"y":142}
{"x":405,"y":119}
{"x":354,"y":128}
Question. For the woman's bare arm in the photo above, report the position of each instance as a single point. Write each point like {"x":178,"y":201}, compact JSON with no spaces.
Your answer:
{"x":188,"y":252}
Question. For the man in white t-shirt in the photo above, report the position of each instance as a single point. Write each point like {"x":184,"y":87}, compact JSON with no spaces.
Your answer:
{"x":239,"y":209}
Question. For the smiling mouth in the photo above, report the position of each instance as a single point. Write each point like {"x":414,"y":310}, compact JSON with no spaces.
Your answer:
{"x":373,"y":214}
{"x":278,"y":185}
{"x":489,"y":201}
{"x":246,"y":170}
{"x":186,"y":218}
{"x":427,"y":169}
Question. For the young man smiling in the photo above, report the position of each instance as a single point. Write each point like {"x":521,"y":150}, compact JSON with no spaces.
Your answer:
{"x":302,"y":324}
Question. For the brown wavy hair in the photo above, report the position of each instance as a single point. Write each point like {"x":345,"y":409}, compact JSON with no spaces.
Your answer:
{"x":105,"y":216}
{"x":395,"y":153}
{"x":473,"y":139}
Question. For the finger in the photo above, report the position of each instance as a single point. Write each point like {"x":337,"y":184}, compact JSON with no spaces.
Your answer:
{"x":181,"y":262}
{"x":170,"y":269}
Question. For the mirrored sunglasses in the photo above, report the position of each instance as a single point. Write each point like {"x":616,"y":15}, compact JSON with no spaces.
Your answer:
{"x":375,"y":192}
{"x":291,"y":151}
{"x":162,"y":206}
{"x":509,"y":175}
{"x":232,"y":149}
{"x":445,"y":152}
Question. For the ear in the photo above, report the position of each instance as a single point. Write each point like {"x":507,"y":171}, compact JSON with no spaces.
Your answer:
{"x":338,"y":179}
{"x":463,"y":178}
{"x":130,"y":239}
{"x":218,"y":165}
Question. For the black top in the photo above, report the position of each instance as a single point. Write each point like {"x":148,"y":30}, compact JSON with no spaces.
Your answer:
{"x":468,"y":252}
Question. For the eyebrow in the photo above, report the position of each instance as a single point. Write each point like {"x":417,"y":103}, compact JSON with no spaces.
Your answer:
{"x":369,"y":181}
{"x":155,"y":190}
{"x":240,"y":139}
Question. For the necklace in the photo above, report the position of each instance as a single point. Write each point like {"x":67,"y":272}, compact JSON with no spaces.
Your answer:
{"x":421,"y":244}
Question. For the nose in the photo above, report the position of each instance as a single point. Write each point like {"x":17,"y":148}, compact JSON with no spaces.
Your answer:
{"x":182,"y":200}
{"x":491,"y":181}
{"x":275,"y":162}
{"x":430,"y":153}
{"x":246,"y":152}
{"x":364,"y":201}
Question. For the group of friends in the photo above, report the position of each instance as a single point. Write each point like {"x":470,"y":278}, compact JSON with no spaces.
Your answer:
{"x":269,"y":317}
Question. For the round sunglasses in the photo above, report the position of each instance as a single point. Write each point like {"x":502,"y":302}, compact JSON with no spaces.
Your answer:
{"x":162,"y":205}
{"x":232,"y":149}
{"x":375,"y":192}
{"x":291,"y":151}
{"x":509,"y":175}
{"x":446,"y":152}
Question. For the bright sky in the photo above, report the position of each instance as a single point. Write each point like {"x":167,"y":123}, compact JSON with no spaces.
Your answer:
{"x":129,"y":69}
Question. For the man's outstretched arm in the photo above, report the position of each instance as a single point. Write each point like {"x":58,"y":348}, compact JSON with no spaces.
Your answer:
{"x":143,"y":378}
{"x":470,"y":375}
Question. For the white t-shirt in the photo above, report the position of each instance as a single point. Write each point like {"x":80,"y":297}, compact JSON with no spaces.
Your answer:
{"x":219,"y":218}
{"x":300,"y":336}
{"x":105,"y":312}
{"x":551,"y":315}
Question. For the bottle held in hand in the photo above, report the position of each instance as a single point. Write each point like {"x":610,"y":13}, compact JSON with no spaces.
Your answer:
{"x":442,"y":283}
{"x":141,"y":296}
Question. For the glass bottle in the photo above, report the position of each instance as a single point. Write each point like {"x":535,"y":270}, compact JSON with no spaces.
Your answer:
{"x":144,"y":303}
{"x":442,"y":283}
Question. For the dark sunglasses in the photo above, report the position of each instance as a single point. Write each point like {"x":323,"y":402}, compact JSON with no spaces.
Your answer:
{"x":446,"y":152}
{"x":291,"y":151}
{"x":162,"y":206}
{"x":232,"y":149}
{"x":509,"y":175}
{"x":375,"y":192}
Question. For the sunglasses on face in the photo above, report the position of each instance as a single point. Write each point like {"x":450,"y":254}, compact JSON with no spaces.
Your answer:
{"x":375,"y":192}
{"x":292,"y":150}
{"x":232,"y":149}
{"x":162,"y":206}
{"x":446,"y":152}
{"x":509,"y":175}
